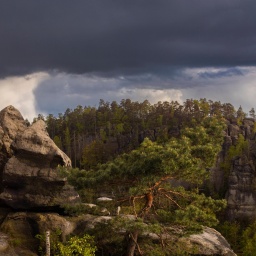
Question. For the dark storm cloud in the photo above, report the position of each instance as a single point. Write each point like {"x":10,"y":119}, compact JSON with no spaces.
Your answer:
{"x":124,"y":37}
{"x":57,"y":92}
{"x":221,"y":73}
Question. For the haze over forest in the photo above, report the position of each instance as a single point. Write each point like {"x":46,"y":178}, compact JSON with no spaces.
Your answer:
{"x":59,"y":54}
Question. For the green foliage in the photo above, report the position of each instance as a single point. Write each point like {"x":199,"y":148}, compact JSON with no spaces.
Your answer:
{"x":122,"y":126}
{"x":57,"y":141}
{"x":248,"y":240}
{"x":180,"y":144}
{"x":186,"y":158}
{"x":122,"y":227}
{"x":241,"y":237}
{"x":94,"y":154}
{"x":232,"y":232}
{"x":54,"y":239}
{"x":201,"y":211}
{"x":239,"y":149}
{"x":252,"y":113}
{"x":79,"y":246}
{"x":158,"y":169}
{"x":240,"y":115}
{"x":78,"y":209}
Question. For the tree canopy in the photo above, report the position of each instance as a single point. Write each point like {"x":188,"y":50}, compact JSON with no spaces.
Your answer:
{"x":121,"y":127}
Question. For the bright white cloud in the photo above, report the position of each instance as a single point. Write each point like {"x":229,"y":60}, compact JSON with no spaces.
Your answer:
{"x":18,"y":91}
{"x":152,"y":95}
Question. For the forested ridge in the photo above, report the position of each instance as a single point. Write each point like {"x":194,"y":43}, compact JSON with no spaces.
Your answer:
{"x":154,"y":162}
{"x":90,"y":135}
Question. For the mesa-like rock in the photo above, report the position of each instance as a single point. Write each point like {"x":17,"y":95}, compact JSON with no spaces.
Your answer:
{"x":30,"y":160}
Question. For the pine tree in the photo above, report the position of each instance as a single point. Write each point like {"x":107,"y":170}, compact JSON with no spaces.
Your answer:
{"x":147,"y":182}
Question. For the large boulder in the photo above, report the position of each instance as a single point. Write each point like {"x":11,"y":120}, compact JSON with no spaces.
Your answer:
{"x":208,"y":242}
{"x":30,"y":177}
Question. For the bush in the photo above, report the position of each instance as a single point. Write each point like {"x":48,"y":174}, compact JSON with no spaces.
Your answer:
{"x":79,"y":246}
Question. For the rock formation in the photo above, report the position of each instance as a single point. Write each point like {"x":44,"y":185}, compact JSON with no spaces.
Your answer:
{"x":30,"y":179}
{"x":239,"y":182}
{"x":207,"y":242}
{"x":11,"y":123}
{"x":241,"y":195}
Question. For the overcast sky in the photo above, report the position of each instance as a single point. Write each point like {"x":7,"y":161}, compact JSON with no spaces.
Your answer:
{"x":59,"y":54}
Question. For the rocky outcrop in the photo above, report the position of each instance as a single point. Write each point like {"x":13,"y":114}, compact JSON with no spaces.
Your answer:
{"x":30,"y":178}
{"x":209,"y":242}
{"x":11,"y":124}
{"x":24,"y":226}
{"x":238,"y":183}
{"x":241,"y":195}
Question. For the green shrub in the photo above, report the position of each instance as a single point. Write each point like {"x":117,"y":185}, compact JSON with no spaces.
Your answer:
{"x":248,"y":240}
{"x":79,"y":246}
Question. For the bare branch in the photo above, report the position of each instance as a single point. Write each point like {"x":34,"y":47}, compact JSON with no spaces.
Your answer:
{"x":162,"y":180}
{"x":134,"y":240}
{"x":173,"y":200}
{"x":171,"y":192}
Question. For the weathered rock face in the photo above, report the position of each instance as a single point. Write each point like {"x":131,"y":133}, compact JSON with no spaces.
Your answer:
{"x":35,"y":142}
{"x":11,"y":124}
{"x":240,"y":186}
{"x":241,"y":195}
{"x":30,"y":178}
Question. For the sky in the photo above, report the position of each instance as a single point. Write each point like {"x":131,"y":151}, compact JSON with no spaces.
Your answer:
{"x":60,"y":54}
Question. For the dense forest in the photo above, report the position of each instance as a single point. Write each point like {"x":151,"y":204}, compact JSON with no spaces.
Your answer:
{"x":90,"y":135}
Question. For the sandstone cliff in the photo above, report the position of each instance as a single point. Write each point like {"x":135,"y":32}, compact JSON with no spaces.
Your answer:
{"x":30,"y":178}
{"x":237,"y":183}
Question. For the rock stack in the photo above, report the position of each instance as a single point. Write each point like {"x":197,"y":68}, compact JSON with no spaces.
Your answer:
{"x":28,"y":162}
